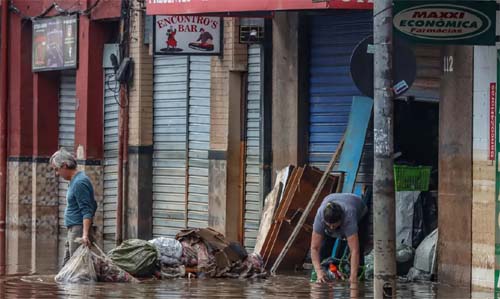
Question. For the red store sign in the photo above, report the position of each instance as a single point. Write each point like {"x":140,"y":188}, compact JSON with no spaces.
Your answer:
{"x":173,"y":7}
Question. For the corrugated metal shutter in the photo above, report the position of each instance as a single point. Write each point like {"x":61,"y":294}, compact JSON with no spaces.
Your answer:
{"x":198,"y":140}
{"x":111,"y":112}
{"x":332,"y":39}
{"x":67,"y":109}
{"x":170,"y":135}
{"x":181,"y":143}
{"x":253,"y":171}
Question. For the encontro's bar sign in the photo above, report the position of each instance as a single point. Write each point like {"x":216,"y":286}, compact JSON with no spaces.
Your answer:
{"x":458,"y":22}
{"x":179,"y":34}
{"x":175,"y":7}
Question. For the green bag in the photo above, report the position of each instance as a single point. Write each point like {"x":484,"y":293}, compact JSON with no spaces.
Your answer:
{"x":137,"y":257}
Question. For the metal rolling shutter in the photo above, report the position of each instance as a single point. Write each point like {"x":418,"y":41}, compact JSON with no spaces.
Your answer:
{"x":111,"y":112}
{"x":67,"y":109}
{"x":169,"y":135}
{"x":333,"y":37}
{"x":198,"y":140}
{"x":253,"y":170}
{"x":181,"y":143}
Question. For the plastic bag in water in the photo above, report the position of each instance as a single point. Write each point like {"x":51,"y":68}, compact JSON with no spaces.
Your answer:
{"x":170,"y":250}
{"x":79,"y":268}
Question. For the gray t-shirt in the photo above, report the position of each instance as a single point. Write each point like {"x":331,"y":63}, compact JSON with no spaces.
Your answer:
{"x":354,"y":209}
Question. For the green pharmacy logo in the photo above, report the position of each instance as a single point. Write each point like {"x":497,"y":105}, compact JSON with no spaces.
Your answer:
{"x":441,"y":22}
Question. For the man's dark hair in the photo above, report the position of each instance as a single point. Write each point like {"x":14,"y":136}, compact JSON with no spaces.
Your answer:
{"x":333,"y":213}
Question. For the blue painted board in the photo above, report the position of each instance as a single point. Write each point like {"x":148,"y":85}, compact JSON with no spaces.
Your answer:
{"x":354,"y":140}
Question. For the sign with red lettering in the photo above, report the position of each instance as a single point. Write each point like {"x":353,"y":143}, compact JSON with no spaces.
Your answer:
{"x":457,"y":22}
{"x":182,"y":35}
{"x":159,"y":7}
{"x":493,"y":92}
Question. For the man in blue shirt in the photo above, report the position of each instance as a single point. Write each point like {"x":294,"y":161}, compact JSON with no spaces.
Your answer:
{"x":339,"y":216}
{"x":80,"y":201}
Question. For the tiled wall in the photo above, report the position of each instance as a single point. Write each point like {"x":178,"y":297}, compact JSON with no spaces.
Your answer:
{"x":44,"y":218}
{"x":19,"y":206}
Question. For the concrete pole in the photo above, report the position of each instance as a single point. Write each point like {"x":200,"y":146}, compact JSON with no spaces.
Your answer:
{"x":383,"y":179}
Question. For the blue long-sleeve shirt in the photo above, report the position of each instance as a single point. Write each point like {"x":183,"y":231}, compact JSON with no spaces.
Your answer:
{"x":80,"y":200}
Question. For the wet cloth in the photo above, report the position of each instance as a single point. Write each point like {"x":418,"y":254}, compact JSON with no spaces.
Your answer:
{"x":80,"y":200}
{"x":354,"y":210}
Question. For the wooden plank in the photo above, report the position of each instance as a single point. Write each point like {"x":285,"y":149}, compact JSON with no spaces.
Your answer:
{"x":271,"y":236}
{"x":270,"y":207}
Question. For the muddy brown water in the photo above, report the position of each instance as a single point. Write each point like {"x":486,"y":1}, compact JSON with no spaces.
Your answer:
{"x":293,"y":285}
{"x":281,"y":286}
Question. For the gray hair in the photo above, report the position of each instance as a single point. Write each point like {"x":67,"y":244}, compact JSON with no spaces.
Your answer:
{"x":63,"y":157}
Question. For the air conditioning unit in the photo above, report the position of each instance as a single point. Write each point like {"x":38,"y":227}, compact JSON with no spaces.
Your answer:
{"x":251,"y":34}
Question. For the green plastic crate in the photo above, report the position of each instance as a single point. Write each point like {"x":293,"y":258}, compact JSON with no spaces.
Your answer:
{"x":412,"y":178}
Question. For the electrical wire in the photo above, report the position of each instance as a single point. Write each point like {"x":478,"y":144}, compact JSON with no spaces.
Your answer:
{"x":115,"y":90}
{"x":56,"y":7}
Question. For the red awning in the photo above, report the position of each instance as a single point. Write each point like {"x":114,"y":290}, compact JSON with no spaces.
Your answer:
{"x":186,"y":7}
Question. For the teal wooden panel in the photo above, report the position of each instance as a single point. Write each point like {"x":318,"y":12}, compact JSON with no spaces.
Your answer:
{"x":354,"y":141}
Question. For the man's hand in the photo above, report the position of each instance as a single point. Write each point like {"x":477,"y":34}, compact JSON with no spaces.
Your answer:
{"x":321,"y":277}
{"x":87,"y":223}
{"x":86,"y":241}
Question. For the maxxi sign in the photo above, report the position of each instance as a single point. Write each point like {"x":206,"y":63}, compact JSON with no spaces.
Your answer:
{"x":458,"y":22}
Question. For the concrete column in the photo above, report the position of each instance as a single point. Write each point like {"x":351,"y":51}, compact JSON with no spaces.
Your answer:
{"x":225,"y":107}
{"x":483,"y":206}
{"x":45,"y":211}
{"x":455,"y":169}
{"x":20,"y":148}
{"x":89,"y":112}
{"x":139,"y":203}
{"x":19,"y":216}
{"x":45,"y":217}
{"x":285,"y":107}
{"x":89,"y":89}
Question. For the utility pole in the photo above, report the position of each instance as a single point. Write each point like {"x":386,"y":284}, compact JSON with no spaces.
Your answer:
{"x":383,"y":175}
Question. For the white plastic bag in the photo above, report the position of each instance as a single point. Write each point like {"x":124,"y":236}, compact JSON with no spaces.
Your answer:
{"x":79,"y":268}
{"x":170,"y":250}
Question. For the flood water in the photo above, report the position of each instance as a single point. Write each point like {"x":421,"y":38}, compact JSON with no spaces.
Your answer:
{"x":281,"y":286}
{"x":295,"y":285}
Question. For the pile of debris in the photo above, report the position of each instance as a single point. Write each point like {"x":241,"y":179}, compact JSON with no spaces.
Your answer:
{"x":198,"y":253}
